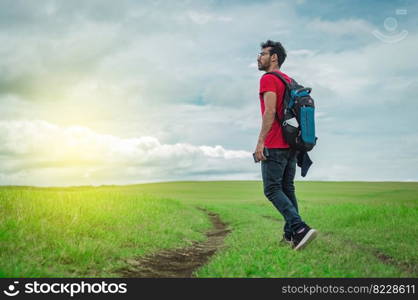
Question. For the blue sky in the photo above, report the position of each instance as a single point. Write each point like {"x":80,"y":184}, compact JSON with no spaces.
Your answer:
{"x":106,"y":92}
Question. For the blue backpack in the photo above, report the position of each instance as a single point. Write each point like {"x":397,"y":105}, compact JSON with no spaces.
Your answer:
{"x":298,"y":123}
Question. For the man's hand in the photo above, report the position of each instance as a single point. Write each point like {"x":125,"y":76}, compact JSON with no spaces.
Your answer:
{"x":259,"y":152}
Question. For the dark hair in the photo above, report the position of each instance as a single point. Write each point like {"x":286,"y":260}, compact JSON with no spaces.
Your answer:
{"x":276,"y":48}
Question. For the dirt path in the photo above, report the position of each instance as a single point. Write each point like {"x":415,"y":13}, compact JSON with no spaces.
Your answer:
{"x":181,"y":262}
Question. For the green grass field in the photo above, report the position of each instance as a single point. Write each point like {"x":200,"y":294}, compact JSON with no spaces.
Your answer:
{"x":367,"y":229}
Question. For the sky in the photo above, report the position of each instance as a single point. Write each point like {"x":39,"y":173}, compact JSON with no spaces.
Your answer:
{"x":122,"y":92}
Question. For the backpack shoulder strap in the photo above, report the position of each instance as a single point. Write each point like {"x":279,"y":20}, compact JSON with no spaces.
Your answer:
{"x":278,"y":75}
{"x":287,"y":91}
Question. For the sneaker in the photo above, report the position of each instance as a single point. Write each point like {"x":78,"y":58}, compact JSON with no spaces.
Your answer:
{"x":301,"y":239}
{"x":286,"y":239}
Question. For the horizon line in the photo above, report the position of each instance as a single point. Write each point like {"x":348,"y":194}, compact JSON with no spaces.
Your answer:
{"x":197,"y":181}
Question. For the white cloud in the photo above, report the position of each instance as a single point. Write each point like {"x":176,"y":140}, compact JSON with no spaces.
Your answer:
{"x":342,"y":27}
{"x":204,"y":18}
{"x":357,"y":75}
{"x":36,"y":147}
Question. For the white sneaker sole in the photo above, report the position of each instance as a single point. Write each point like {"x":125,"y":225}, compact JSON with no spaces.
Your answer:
{"x":306,"y":239}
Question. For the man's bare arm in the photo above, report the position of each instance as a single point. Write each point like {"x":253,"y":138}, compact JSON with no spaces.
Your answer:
{"x":270,"y":100}
{"x":269,"y":115}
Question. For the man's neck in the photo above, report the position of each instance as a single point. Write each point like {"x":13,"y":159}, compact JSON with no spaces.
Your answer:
{"x":273,"y":68}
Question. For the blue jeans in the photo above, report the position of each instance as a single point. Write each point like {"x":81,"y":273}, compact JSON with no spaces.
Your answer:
{"x":278,"y":173}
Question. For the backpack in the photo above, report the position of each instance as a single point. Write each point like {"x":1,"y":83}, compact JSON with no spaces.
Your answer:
{"x":298,"y":123}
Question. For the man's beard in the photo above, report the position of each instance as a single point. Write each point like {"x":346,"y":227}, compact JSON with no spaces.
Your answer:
{"x":262,"y":67}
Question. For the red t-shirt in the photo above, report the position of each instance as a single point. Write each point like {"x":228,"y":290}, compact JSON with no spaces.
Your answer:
{"x":270,"y":83}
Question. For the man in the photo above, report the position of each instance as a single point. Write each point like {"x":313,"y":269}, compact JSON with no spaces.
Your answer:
{"x":278,"y":161}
